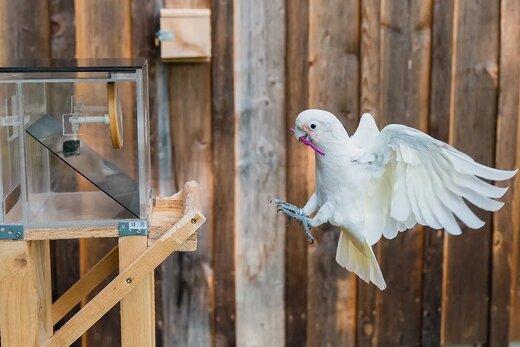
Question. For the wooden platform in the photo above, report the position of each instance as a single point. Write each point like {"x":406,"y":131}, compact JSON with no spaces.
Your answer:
{"x":27,"y":313}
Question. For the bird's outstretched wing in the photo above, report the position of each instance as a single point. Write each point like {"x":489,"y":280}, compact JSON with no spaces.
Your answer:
{"x":418,"y":179}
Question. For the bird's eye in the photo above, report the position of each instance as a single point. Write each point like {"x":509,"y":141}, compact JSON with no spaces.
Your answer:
{"x":313,"y":125}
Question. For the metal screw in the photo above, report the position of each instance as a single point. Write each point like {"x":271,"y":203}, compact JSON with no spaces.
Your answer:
{"x":194,"y":221}
{"x":2,"y":229}
{"x":18,"y":234}
{"x":129,"y":280}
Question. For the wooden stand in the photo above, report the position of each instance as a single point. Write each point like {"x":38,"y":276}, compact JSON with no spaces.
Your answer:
{"x":27,"y":313}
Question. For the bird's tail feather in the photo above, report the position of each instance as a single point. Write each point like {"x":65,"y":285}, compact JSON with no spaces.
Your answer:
{"x":359,"y":259}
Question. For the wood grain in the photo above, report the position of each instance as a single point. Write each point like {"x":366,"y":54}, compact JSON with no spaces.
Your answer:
{"x":393,"y":317}
{"x":223,"y":129}
{"x":65,"y":253}
{"x":138,"y":306}
{"x":506,"y":227}
{"x":370,"y":96}
{"x":25,"y":293}
{"x":334,"y":44}
{"x":300,"y":172}
{"x":103,"y":29}
{"x":88,"y":282}
{"x":260,"y":159}
{"x":473,"y":111}
{"x":20,"y":38}
{"x":127,"y":280}
{"x":191,"y":35}
{"x":438,"y":127}
{"x":188,"y":310}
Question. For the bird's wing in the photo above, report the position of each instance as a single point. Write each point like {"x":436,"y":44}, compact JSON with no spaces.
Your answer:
{"x":367,"y":131}
{"x":418,"y":179}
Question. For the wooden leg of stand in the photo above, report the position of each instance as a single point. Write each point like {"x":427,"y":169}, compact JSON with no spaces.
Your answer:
{"x":25,"y":293}
{"x":138,"y":307}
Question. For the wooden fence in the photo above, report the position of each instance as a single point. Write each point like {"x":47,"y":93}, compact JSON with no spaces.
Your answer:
{"x":449,"y":67}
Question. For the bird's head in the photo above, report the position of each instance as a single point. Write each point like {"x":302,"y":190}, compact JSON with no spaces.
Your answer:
{"x":319,"y":130}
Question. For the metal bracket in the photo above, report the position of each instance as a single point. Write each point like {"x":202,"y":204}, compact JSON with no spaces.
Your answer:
{"x":164,"y":35}
{"x":11,"y":232}
{"x":133,"y":228}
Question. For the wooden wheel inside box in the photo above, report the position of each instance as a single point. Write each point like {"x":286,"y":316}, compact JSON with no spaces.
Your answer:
{"x":27,"y":313}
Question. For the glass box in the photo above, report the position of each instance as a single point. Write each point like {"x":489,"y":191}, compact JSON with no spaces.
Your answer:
{"x":74,"y":143}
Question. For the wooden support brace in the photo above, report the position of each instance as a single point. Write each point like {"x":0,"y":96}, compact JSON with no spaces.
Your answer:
{"x":138,"y":307}
{"x":128,"y":279}
{"x":25,"y":293}
{"x":106,"y":266}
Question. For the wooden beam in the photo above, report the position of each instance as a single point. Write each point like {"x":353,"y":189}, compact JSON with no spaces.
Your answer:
{"x":86,"y":284}
{"x":334,"y":70}
{"x":300,"y":173}
{"x":165,"y":212}
{"x":104,"y":30}
{"x":223,"y":128}
{"x":465,"y":307}
{"x":438,"y":127}
{"x":260,"y":156}
{"x":138,"y":307}
{"x":64,"y":253}
{"x":397,"y":48}
{"x":370,"y":96}
{"x":504,"y":312}
{"x":127,"y":280}
{"x":25,"y":293}
{"x":189,"y":278}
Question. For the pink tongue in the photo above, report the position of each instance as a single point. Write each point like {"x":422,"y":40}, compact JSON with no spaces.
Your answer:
{"x":303,"y":139}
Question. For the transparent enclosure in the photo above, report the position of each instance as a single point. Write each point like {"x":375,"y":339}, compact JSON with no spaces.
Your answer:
{"x":74,"y":143}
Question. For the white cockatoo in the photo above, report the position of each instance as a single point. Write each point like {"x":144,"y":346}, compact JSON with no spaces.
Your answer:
{"x":382,"y":182}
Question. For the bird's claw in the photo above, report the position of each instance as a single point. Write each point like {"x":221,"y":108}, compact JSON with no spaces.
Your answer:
{"x":292,"y":211}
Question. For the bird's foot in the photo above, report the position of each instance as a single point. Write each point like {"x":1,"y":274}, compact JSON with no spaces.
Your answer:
{"x":292,"y":211}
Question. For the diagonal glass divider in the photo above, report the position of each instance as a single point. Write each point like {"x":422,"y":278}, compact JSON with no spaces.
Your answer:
{"x":102,"y":173}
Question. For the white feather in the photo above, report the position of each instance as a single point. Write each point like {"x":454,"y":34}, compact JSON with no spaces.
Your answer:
{"x":400,"y":205}
{"x":476,"y":184}
{"x":430,"y":179}
{"x":464,"y":164}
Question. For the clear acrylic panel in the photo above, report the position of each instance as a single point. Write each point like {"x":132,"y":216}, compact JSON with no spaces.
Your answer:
{"x":74,"y":168}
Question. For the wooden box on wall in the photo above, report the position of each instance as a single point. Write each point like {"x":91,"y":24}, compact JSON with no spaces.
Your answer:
{"x":185,"y":35}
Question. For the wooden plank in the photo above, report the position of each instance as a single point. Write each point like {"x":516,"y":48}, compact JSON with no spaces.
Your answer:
{"x":505,"y":223}
{"x":138,"y":306}
{"x":25,"y":283}
{"x":300,"y":173}
{"x":188,"y":278}
{"x":223,"y":130}
{"x":260,"y":156}
{"x":402,"y":47}
{"x":190,"y":322}
{"x":438,"y":127}
{"x":65,"y":253}
{"x":127,"y":280}
{"x":103,"y":29}
{"x":25,"y":293}
{"x":370,"y":95}
{"x":473,"y":121}
{"x":88,"y":282}
{"x":20,"y":38}
{"x":334,"y":44}
{"x":405,"y":72}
